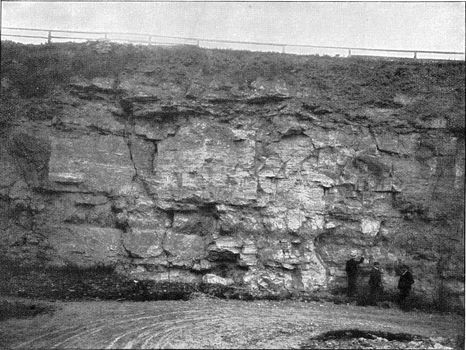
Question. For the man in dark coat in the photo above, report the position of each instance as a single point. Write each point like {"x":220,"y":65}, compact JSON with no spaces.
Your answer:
{"x":375,"y":284}
{"x":404,"y":285}
{"x":352,"y":266}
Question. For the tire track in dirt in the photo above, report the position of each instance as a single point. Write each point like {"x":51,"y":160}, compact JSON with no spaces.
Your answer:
{"x":71,"y":332}
{"x":121,"y":326}
{"x":211,"y":323}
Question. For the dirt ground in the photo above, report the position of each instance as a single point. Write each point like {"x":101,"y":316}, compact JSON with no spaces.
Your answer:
{"x":204,"y":322}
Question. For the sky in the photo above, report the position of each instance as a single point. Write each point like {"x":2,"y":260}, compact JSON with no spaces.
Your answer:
{"x":401,"y":25}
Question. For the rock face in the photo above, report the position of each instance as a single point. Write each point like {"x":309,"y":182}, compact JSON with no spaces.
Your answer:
{"x":266,"y":187}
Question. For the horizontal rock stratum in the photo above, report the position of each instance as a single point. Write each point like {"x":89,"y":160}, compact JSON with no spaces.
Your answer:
{"x":259,"y":170}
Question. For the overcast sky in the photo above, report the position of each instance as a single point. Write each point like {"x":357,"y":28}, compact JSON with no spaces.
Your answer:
{"x":419,"y":25}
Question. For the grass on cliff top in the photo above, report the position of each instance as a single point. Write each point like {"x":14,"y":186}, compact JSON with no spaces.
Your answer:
{"x":34,"y":70}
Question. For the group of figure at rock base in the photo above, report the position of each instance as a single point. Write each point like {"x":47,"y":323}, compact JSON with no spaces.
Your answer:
{"x":405,"y":281}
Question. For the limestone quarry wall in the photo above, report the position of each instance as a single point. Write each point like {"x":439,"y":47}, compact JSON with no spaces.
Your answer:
{"x":266,"y":183}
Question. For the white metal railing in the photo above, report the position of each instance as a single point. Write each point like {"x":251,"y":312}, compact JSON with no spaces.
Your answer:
{"x":155,"y":39}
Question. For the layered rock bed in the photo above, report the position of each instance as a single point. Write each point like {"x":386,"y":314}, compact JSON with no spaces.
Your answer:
{"x":250,"y":170}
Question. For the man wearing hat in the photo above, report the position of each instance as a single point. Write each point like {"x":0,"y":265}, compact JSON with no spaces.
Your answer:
{"x":352,"y":266}
{"x":404,"y":285}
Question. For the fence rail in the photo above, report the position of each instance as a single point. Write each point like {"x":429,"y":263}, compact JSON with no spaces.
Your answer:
{"x":156,"y":39}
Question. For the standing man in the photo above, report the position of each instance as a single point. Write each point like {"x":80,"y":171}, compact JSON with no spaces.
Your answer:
{"x":352,"y":266}
{"x":375,"y":284}
{"x":404,"y":285}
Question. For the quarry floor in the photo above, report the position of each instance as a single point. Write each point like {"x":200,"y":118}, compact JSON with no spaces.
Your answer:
{"x":204,"y":322}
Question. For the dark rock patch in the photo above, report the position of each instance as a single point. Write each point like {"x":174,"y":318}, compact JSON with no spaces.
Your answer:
{"x":361,"y":339}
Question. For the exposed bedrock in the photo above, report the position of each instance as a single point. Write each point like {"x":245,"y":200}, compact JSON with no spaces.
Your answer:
{"x":266,"y":188}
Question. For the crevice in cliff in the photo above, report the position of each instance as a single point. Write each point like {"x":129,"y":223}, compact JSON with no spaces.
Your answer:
{"x":129,"y":130}
{"x":129,"y":135}
{"x":153,"y":156}
{"x":136,"y":175}
{"x":319,"y":253}
{"x":167,"y":253}
{"x":378,"y":148}
{"x":258,"y":164}
{"x":381,"y":150}
{"x":124,"y":228}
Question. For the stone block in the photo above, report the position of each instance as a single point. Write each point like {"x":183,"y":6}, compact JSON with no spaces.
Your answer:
{"x":9,"y":173}
{"x":92,"y":115}
{"x":403,"y":144}
{"x":214,"y":279}
{"x":183,"y":250}
{"x":370,"y":226}
{"x":194,"y":223}
{"x":203,"y":163}
{"x":85,"y":246}
{"x":144,"y":243}
{"x":142,"y":155}
{"x":225,"y":247}
{"x":101,"y":162}
{"x":202,"y":265}
{"x":269,"y":281}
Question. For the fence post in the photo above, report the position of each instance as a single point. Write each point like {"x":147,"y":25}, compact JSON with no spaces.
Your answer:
{"x":197,"y":43}
{"x":349,"y":52}
{"x":415,"y":54}
{"x":49,"y":38}
{"x":105,"y":36}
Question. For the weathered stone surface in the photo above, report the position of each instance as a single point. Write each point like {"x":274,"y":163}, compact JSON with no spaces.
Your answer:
{"x":214,"y":279}
{"x":272,"y":180}
{"x":139,"y":85}
{"x":78,"y":209}
{"x":170,"y":275}
{"x":399,"y":144}
{"x":94,"y":163}
{"x":201,"y":224}
{"x":144,"y":243}
{"x":183,"y":250}
{"x":202,"y":265}
{"x":142,"y":155}
{"x":269,"y":281}
{"x":8,"y":171}
{"x":225,"y":248}
{"x":269,"y":90}
{"x":153,"y":130}
{"x":312,"y":268}
{"x":370,"y":227}
{"x":85,"y":246}
{"x":32,"y":151}
{"x":100,"y":84}
{"x":93,"y":115}
{"x":280,"y":253}
{"x":248,"y":255}
{"x":232,"y":219}
{"x":202,"y":163}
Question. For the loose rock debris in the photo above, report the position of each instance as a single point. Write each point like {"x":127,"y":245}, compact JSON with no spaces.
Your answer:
{"x":359,"y":339}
